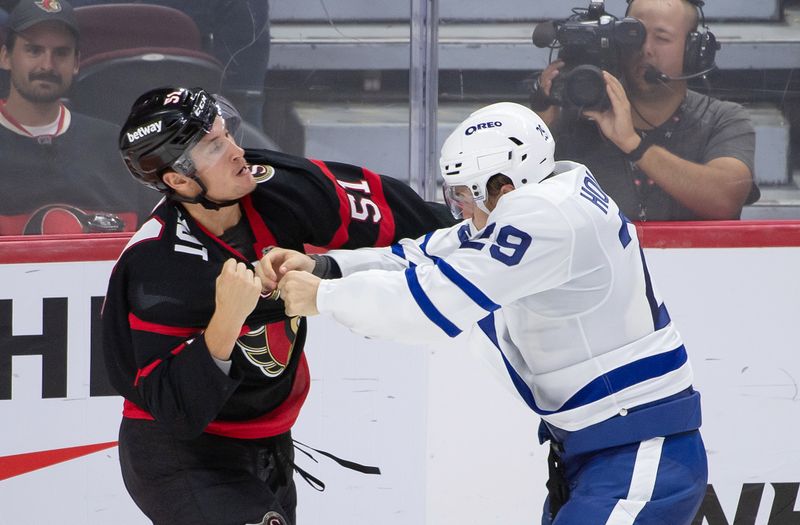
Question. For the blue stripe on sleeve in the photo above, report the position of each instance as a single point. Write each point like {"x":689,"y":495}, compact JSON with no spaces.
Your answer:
{"x":424,"y":245}
{"x":427,"y":307}
{"x":472,"y":291}
{"x":398,"y":250}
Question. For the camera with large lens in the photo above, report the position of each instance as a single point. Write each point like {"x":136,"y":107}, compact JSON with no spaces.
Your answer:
{"x":588,"y":42}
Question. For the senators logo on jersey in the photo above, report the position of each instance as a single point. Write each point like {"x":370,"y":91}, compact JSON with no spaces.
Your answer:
{"x":262,"y":172}
{"x":270,"y":347}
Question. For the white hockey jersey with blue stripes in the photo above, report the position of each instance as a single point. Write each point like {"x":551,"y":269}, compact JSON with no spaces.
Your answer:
{"x":556,"y":285}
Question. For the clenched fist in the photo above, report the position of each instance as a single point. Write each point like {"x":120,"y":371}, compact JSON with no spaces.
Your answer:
{"x":237,"y":293}
{"x":237,"y":290}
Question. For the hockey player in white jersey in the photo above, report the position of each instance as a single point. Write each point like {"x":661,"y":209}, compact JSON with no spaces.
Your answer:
{"x":545,"y":271}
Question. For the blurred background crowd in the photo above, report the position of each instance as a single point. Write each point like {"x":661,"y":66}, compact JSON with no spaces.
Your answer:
{"x":331,"y":80}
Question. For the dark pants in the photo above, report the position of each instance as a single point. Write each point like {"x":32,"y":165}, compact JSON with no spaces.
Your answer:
{"x":209,"y":480}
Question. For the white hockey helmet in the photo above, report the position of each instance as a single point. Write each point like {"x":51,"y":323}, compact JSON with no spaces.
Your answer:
{"x":502,"y":138}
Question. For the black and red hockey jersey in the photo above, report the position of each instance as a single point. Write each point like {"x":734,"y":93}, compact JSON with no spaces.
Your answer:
{"x":162,"y":290}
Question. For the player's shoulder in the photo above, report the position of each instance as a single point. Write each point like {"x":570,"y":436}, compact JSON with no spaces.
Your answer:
{"x":276,"y":159}
{"x":531,"y":208}
{"x":551,"y":203}
{"x":147,"y":239}
{"x":555,"y":189}
{"x":157,"y":232}
{"x":282,"y":175}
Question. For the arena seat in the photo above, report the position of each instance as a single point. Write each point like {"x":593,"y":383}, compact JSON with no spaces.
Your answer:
{"x":127,"y":49}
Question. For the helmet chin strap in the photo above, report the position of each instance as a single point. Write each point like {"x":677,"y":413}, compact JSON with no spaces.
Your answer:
{"x":201,"y":198}
{"x":212,"y":205}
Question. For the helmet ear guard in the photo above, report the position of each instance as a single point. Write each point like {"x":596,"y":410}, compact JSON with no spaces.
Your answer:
{"x":503,"y":138}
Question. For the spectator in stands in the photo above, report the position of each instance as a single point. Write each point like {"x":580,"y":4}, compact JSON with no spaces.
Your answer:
{"x":60,"y":172}
{"x":662,"y":151}
{"x":544,"y":278}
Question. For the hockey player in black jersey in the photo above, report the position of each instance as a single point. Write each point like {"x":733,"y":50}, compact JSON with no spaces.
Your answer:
{"x":211,"y":369}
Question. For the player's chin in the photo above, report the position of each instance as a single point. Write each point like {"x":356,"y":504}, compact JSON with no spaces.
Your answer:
{"x":238,"y":188}
{"x":248,"y":186}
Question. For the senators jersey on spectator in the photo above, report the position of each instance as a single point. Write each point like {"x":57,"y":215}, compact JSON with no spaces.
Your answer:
{"x":162,"y":294}
{"x":73,"y":181}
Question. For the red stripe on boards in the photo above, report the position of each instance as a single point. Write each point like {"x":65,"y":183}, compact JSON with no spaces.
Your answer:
{"x":704,"y":234}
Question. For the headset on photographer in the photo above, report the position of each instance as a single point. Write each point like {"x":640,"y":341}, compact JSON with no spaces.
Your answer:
{"x":699,"y":52}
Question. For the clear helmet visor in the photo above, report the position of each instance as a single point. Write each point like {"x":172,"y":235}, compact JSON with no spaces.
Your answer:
{"x":460,"y":200}
{"x":233,"y":119}
{"x":207,"y":151}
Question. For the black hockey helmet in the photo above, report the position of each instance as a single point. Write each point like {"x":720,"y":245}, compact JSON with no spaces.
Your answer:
{"x":162,"y":127}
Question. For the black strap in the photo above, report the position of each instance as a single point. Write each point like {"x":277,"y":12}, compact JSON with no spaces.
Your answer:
{"x":538,"y":101}
{"x":557,"y":485}
{"x":313,"y":481}
{"x":352,"y":465}
{"x":636,"y":154}
{"x":316,"y":483}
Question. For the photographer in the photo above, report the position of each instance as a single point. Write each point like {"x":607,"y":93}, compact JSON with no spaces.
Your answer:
{"x":662,"y":151}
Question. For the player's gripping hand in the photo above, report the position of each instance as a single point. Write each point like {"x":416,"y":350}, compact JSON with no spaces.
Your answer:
{"x":277,"y":262}
{"x":299,"y":293}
